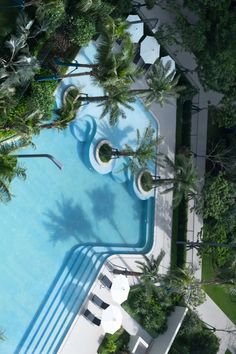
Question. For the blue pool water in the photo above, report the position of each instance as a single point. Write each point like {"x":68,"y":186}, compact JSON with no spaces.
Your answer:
{"x":43,"y":230}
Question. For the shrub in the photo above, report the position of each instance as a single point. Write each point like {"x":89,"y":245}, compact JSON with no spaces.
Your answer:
{"x":51,"y":15}
{"x":83,"y":31}
{"x":114,"y":343}
{"x":194,"y":338}
{"x":150,"y":310}
{"x":218,"y":197}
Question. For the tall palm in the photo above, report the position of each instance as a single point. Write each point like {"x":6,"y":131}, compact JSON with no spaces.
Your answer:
{"x":185,"y":182}
{"x":145,"y":151}
{"x":9,"y":168}
{"x":162,"y":84}
{"x":149,"y":272}
{"x":184,"y":283}
{"x":111,"y":67}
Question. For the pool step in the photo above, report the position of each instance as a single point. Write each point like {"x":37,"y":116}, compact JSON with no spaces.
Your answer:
{"x":63,"y":302}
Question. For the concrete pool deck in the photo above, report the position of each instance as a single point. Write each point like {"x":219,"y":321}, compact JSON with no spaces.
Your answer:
{"x":84,"y":337}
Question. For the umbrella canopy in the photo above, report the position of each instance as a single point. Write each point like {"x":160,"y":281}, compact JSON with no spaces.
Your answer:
{"x":135,"y":29}
{"x":165,"y":60}
{"x":111,"y":319}
{"x":150,"y":50}
{"x":120,"y":289}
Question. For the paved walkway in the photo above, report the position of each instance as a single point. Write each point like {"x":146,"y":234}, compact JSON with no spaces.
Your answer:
{"x":209,"y":311}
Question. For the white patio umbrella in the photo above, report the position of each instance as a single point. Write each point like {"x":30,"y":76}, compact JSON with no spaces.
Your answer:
{"x":111,"y":319}
{"x":120,"y":289}
{"x":135,"y":29}
{"x":167,"y":58}
{"x":150,"y":50}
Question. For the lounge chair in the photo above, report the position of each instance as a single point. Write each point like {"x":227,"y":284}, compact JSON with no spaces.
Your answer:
{"x":99,"y":302}
{"x":90,"y":316}
{"x":105,"y":281}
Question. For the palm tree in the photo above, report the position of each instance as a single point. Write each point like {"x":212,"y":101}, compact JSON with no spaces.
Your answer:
{"x":148,"y":274}
{"x":66,"y":114}
{"x":110,"y":67}
{"x":144,"y":153}
{"x":184,"y":283}
{"x":184,"y":182}
{"x":162,"y":84}
{"x":9,"y":168}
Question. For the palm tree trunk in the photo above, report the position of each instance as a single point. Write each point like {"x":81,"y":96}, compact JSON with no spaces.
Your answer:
{"x":139,"y":91}
{"x":157,"y":182}
{"x":126,"y":273}
{"x":60,"y":77}
{"x":124,"y":153}
{"x":76,"y":65}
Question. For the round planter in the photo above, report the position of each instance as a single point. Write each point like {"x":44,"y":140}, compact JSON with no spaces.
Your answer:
{"x":98,"y":147}
{"x":139,"y":183}
{"x":66,"y":92}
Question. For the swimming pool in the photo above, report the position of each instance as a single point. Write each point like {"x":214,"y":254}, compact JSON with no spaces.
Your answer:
{"x":48,"y":231}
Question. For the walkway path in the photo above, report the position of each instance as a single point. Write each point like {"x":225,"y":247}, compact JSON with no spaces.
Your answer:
{"x":209,"y":311}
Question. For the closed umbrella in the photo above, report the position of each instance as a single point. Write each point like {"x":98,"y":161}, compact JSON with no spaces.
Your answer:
{"x":120,"y":289}
{"x":150,"y":50}
{"x":167,"y":59}
{"x":111,"y":319}
{"x":135,"y":29}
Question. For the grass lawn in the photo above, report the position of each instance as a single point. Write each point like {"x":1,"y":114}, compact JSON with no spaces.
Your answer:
{"x":218,"y":293}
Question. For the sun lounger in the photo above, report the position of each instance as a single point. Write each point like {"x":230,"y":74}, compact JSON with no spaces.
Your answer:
{"x":90,"y":316}
{"x":105,"y":281}
{"x":99,"y":302}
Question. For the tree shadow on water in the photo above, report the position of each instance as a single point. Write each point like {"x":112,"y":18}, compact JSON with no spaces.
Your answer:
{"x":69,"y":220}
{"x":103,"y":205}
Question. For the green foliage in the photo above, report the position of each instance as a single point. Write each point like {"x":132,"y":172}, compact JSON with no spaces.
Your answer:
{"x":67,"y":112}
{"x":9,"y":168}
{"x":150,"y":311}
{"x":105,"y":153}
{"x":114,"y":343}
{"x":42,"y":97}
{"x":83,"y":30}
{"x":218,"y":197}
{"x":145,"y":151}
{"x":146,"y":181}
{"x":194,"y":338}
{"x":212,"y":38}
{"x":225,"y":114}
{"x":162,"y":84}
{"x":50,"y":15}
{"x":217,"y":232}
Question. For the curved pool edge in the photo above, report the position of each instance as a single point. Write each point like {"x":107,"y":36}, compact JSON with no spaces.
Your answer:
{"x":149,"y":245}
{"x":51,"y":323}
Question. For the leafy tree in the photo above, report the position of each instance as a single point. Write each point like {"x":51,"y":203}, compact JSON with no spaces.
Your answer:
{"x":225,"y":114}
{"x":17,"y":66}
{"x":219,"y":196}
{"x":83,"y":30}
{"x":211,"y":37}
{"x":194,"y":338}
